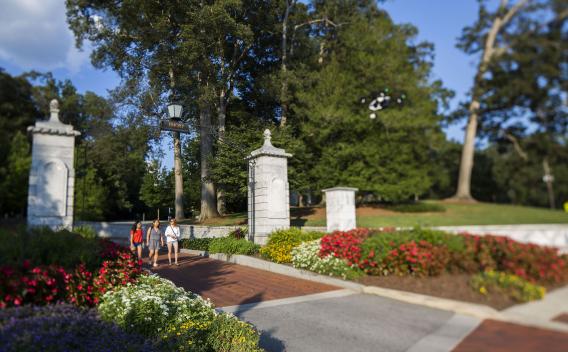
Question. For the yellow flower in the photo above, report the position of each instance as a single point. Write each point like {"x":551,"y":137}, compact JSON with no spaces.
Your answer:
{"x":483,"y":290}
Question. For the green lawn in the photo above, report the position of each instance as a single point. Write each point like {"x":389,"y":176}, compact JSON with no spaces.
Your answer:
{"x":455,"y":214}
{"x":462,"y":214}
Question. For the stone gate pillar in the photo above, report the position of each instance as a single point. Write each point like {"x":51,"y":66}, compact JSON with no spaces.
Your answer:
{"x":52,"y":176}
{"x":340,"y":208}
{"x":268,"y":191}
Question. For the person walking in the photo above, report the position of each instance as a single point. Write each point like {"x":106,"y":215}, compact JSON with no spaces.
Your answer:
{"x":153,"y":240}
{"x":173,"y":234}
{"x":137,"y":238}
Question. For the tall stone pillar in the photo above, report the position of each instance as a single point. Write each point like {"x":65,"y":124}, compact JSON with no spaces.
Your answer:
{"x":268,"y":191}
{"x":52,"y":176}
{"x":340,"y":208}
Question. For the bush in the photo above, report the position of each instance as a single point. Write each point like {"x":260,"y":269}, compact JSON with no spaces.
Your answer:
{"x":238,"y":233}
{"x":230,"y":246}
{"x":344,"y":245}
{"x":281,"y":242}
{"x":176,"y":319}
{"x":227,"y":333}
{"x":63,"y":328}
{"x":86,"y":231}
{"x":528,"y":261}
{"x":513,"y":286}
{"x":418,"y":207}
{"x":45,"y":247}
{"x":200,"y":244}
{"x":52,"y":283}
{"x":307,"y":256}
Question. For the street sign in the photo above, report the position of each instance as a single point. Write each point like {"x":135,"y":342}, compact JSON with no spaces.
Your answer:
{"x":174,"y":125}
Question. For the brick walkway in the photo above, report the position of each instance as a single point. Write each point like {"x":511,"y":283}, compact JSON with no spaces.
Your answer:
{"x":497,"y":336}
{"x":229,"y":284}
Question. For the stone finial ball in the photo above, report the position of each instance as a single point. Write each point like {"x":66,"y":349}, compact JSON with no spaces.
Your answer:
{"x":54,"y":105}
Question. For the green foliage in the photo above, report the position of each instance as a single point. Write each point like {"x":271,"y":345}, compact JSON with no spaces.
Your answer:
{"x":419,"y":207}
{"x":511,"y":285}
{"x":238,"y":233}
{"x":14,"y":175}
{"x":230,"y":246}
{"x":385,"y":156}
{"x":381,"y":243}
{"x":43,"y":246}
{"x":156,"y":190}
{"x":200,"y":244}
{"x":281,"y":242}
{"x":86,"y":231}
{"x":231,"y":335}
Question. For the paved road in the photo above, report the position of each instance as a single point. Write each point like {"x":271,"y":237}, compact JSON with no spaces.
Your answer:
{"x":354,"y":322}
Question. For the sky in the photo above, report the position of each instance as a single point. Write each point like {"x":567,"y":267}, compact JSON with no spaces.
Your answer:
{"x":34,"y":36}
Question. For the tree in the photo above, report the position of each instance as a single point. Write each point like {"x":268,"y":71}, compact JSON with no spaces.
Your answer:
{"x":522,"y":81}
{"x":388,"y":156}
{"x":491,"y":31}
{"x":15,"y":175}
{"x":156,"y":186}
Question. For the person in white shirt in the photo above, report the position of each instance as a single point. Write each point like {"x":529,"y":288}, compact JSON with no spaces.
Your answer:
{"x":173,"y":234}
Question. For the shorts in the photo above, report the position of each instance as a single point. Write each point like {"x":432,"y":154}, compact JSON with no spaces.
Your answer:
{"x":136,"y":244}
{"x":154,"y":245}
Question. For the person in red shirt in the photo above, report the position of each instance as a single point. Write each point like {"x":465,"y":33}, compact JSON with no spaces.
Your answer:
{"x":137,"y":238}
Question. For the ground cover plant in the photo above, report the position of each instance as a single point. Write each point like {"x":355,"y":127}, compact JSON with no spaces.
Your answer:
{"x":200,"y":244}
{"x":513,"y":286}
{"x":232,"y":245}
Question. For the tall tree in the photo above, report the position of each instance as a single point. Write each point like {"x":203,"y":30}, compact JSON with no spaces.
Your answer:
{"x":389,"y":155}
{"x":489,"y":36}
{"x":522,"y":81}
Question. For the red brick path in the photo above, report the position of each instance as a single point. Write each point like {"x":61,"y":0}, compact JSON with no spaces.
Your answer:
{"x":229,"y":284}
{"x":497,"y":336}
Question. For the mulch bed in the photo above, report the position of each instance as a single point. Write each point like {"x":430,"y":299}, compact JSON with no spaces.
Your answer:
{"x":451,"y":286}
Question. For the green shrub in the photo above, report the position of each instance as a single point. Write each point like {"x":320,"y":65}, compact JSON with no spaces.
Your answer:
{"x":200,"y":244}
{"x":281,"y":242}
{"x":418,"y":207}
{"x":43,"y":246}
{"x":86,"y":231}
{"x":230,"y":334}
{"x":512,"y":285}
{"x":230,"y":246}
{"x":382,"y":242}
{"x":239,"y":233}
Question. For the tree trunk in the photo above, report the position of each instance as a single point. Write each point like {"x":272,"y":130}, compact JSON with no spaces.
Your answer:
{"x":222,"y":113}
{"x":283,"y":67}
{"x":466,"y":165}
{"x":178,"y":177}
{"x":208,"y":196}
{"x":548,"y":181}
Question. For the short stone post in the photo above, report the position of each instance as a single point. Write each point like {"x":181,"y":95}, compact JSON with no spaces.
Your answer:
{"x":52,"y":176}
{"x":340,"y":208}
{"x":268,"y":191}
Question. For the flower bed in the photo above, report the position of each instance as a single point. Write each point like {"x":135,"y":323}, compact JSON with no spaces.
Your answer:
{"x":62,"y":327}
{"x":429,"y":253}
{"x":175,"y":319}
{"x":139,"y":312}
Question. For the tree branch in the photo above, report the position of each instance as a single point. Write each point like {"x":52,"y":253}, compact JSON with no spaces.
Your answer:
{"x":517,"y":146}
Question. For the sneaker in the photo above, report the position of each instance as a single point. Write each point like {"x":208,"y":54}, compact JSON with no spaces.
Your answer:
{"x":177,"y":264}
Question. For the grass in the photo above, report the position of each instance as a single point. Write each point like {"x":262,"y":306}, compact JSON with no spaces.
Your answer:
{"x":456,"y":214}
